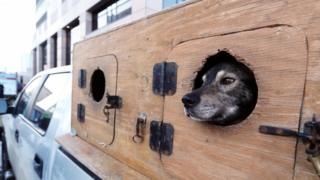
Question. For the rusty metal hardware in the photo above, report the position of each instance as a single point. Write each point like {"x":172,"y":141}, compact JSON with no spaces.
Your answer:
{"x":140,"y":128}
{"x":164,"y":78}
{"x":81,"y":113}
{"x":106,"y":113}
{"x":310,"y":137}
{"x":161,"y":137}
{"x":113,"y":102}
{"x":82,"y":78}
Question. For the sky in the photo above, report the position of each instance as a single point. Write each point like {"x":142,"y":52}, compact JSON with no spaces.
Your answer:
{"x":16,"y":33}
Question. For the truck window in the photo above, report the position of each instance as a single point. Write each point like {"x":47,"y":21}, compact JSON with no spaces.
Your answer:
{"x":25,"y":97}
{"x":48,"y":98}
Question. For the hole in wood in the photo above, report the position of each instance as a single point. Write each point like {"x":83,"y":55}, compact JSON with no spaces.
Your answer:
{"x":225,"y":91}
{"x":97,"y":85}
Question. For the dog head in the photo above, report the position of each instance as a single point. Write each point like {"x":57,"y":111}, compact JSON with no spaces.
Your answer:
{"x":227,"y":95}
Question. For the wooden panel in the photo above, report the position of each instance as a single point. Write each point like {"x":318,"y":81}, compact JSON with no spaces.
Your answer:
{"x":278,"y":58}
{"x":139,"y":45}
{"x":95,"y":121}
{"x":134,"y":86}
{"x":98,"y":162}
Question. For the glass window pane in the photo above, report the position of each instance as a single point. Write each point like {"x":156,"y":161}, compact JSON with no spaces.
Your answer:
{"x":48,"y":98}
{"x":123,"y":6}
{"x":169,"y":3}
{"x":25,"y":97}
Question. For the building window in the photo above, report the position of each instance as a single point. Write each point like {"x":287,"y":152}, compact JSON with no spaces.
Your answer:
{"x":169,"y":3}
{"x":41,"y":24}
{"x":43,"y":55}
{"x":110,"y":12}
{"x":54,"y":51}
{"x":72,"y":36}
{"x":34,"y":52}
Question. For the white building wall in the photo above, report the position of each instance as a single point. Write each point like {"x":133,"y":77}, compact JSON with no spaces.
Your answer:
{"x":61,"y":12}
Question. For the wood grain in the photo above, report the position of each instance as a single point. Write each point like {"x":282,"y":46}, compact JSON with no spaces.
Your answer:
{"x":278,"y":57}
{"x":101,"y":164}
{"x":280,"y":40}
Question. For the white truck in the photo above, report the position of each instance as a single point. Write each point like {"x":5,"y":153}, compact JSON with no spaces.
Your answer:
{"x":40,"y":114}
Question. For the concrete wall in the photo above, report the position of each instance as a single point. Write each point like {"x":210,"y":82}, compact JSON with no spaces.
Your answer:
{"x":61,"y":12}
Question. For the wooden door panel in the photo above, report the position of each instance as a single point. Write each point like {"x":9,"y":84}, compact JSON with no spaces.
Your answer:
{"x":278,"y":57}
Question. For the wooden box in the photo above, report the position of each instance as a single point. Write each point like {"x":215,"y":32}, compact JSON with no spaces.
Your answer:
{"x":279,"y":40}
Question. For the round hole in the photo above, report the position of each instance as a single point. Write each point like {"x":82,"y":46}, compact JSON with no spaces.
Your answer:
{"x":97,"y":85}
{"x":224,"y":92}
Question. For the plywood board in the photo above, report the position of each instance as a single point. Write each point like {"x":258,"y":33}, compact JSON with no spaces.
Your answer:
{"x":278,"y":57}
{"x":94,"y":110}
{"x":98,"y":162}
{"x":139,"y":45}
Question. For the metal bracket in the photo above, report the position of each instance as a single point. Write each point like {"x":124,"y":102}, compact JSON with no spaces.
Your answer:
{"x":82,"y":79}
{"x":81,"y":113}
{"x":161,"y":137}
{"x":164,"y":78}
{"x":310,"y":137}
{"x":113,"y":102}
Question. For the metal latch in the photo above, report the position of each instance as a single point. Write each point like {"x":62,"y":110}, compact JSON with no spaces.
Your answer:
{"x":113,"y":102}
{"x":164,"y":78}
{"x":161,"y":137}
{"x":310,"y":137}
{"x":140,"y":128}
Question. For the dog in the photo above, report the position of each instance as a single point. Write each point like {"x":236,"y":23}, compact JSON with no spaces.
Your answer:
{"x":225,"y":92}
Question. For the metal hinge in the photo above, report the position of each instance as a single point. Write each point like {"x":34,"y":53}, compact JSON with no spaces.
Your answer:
{"x":81,"y":112}
{"x":161,"y":137}
{"x":82,"y":79}
{"x":165,"y":78}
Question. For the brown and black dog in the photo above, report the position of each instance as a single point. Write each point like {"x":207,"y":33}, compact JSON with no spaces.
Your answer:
{"x":227,"y":92}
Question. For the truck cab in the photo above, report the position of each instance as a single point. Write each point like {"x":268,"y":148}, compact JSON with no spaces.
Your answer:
{"x":40,"y":114}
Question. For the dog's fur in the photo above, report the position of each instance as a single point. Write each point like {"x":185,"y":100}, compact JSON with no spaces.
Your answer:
{"x":227,"y":94}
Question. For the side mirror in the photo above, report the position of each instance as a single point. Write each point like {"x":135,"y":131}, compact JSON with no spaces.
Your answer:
{"x":10,"y":110}
{"x":4,"y":109}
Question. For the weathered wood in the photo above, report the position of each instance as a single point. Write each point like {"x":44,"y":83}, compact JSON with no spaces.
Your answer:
{"x":280,"y":71}
{"x":278,"y":39}
{"x":101,"y":164}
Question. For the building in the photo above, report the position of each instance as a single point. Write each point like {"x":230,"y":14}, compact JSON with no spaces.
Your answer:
{"x":61,"y":23}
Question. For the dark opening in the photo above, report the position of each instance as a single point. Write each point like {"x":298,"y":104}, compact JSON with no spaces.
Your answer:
{"x":97,"y":85}
{"x":34,"y":52}
{"x":68,"y":47}
{"x":55,"y":52}
{"x":69,"y":37}
{"x":44,"y":55}
{"x":211,"y":61}
{"x":245,"y":75}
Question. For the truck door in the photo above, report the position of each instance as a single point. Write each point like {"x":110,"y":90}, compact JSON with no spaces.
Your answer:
{"x":278,"y":58}
{"x":35,"y":133}
{"x":12,"y":125}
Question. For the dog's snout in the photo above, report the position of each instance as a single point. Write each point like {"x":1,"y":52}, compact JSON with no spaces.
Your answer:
{"x":190,"y":100}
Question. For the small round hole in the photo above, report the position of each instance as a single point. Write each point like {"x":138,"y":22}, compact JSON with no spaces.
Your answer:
{"x":97,"y":85}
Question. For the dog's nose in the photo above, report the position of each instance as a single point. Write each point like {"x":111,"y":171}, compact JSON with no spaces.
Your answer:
{"x":190,"y":100}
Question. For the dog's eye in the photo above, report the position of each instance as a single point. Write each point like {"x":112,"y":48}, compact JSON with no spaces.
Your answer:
{"x":227,"y":80}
